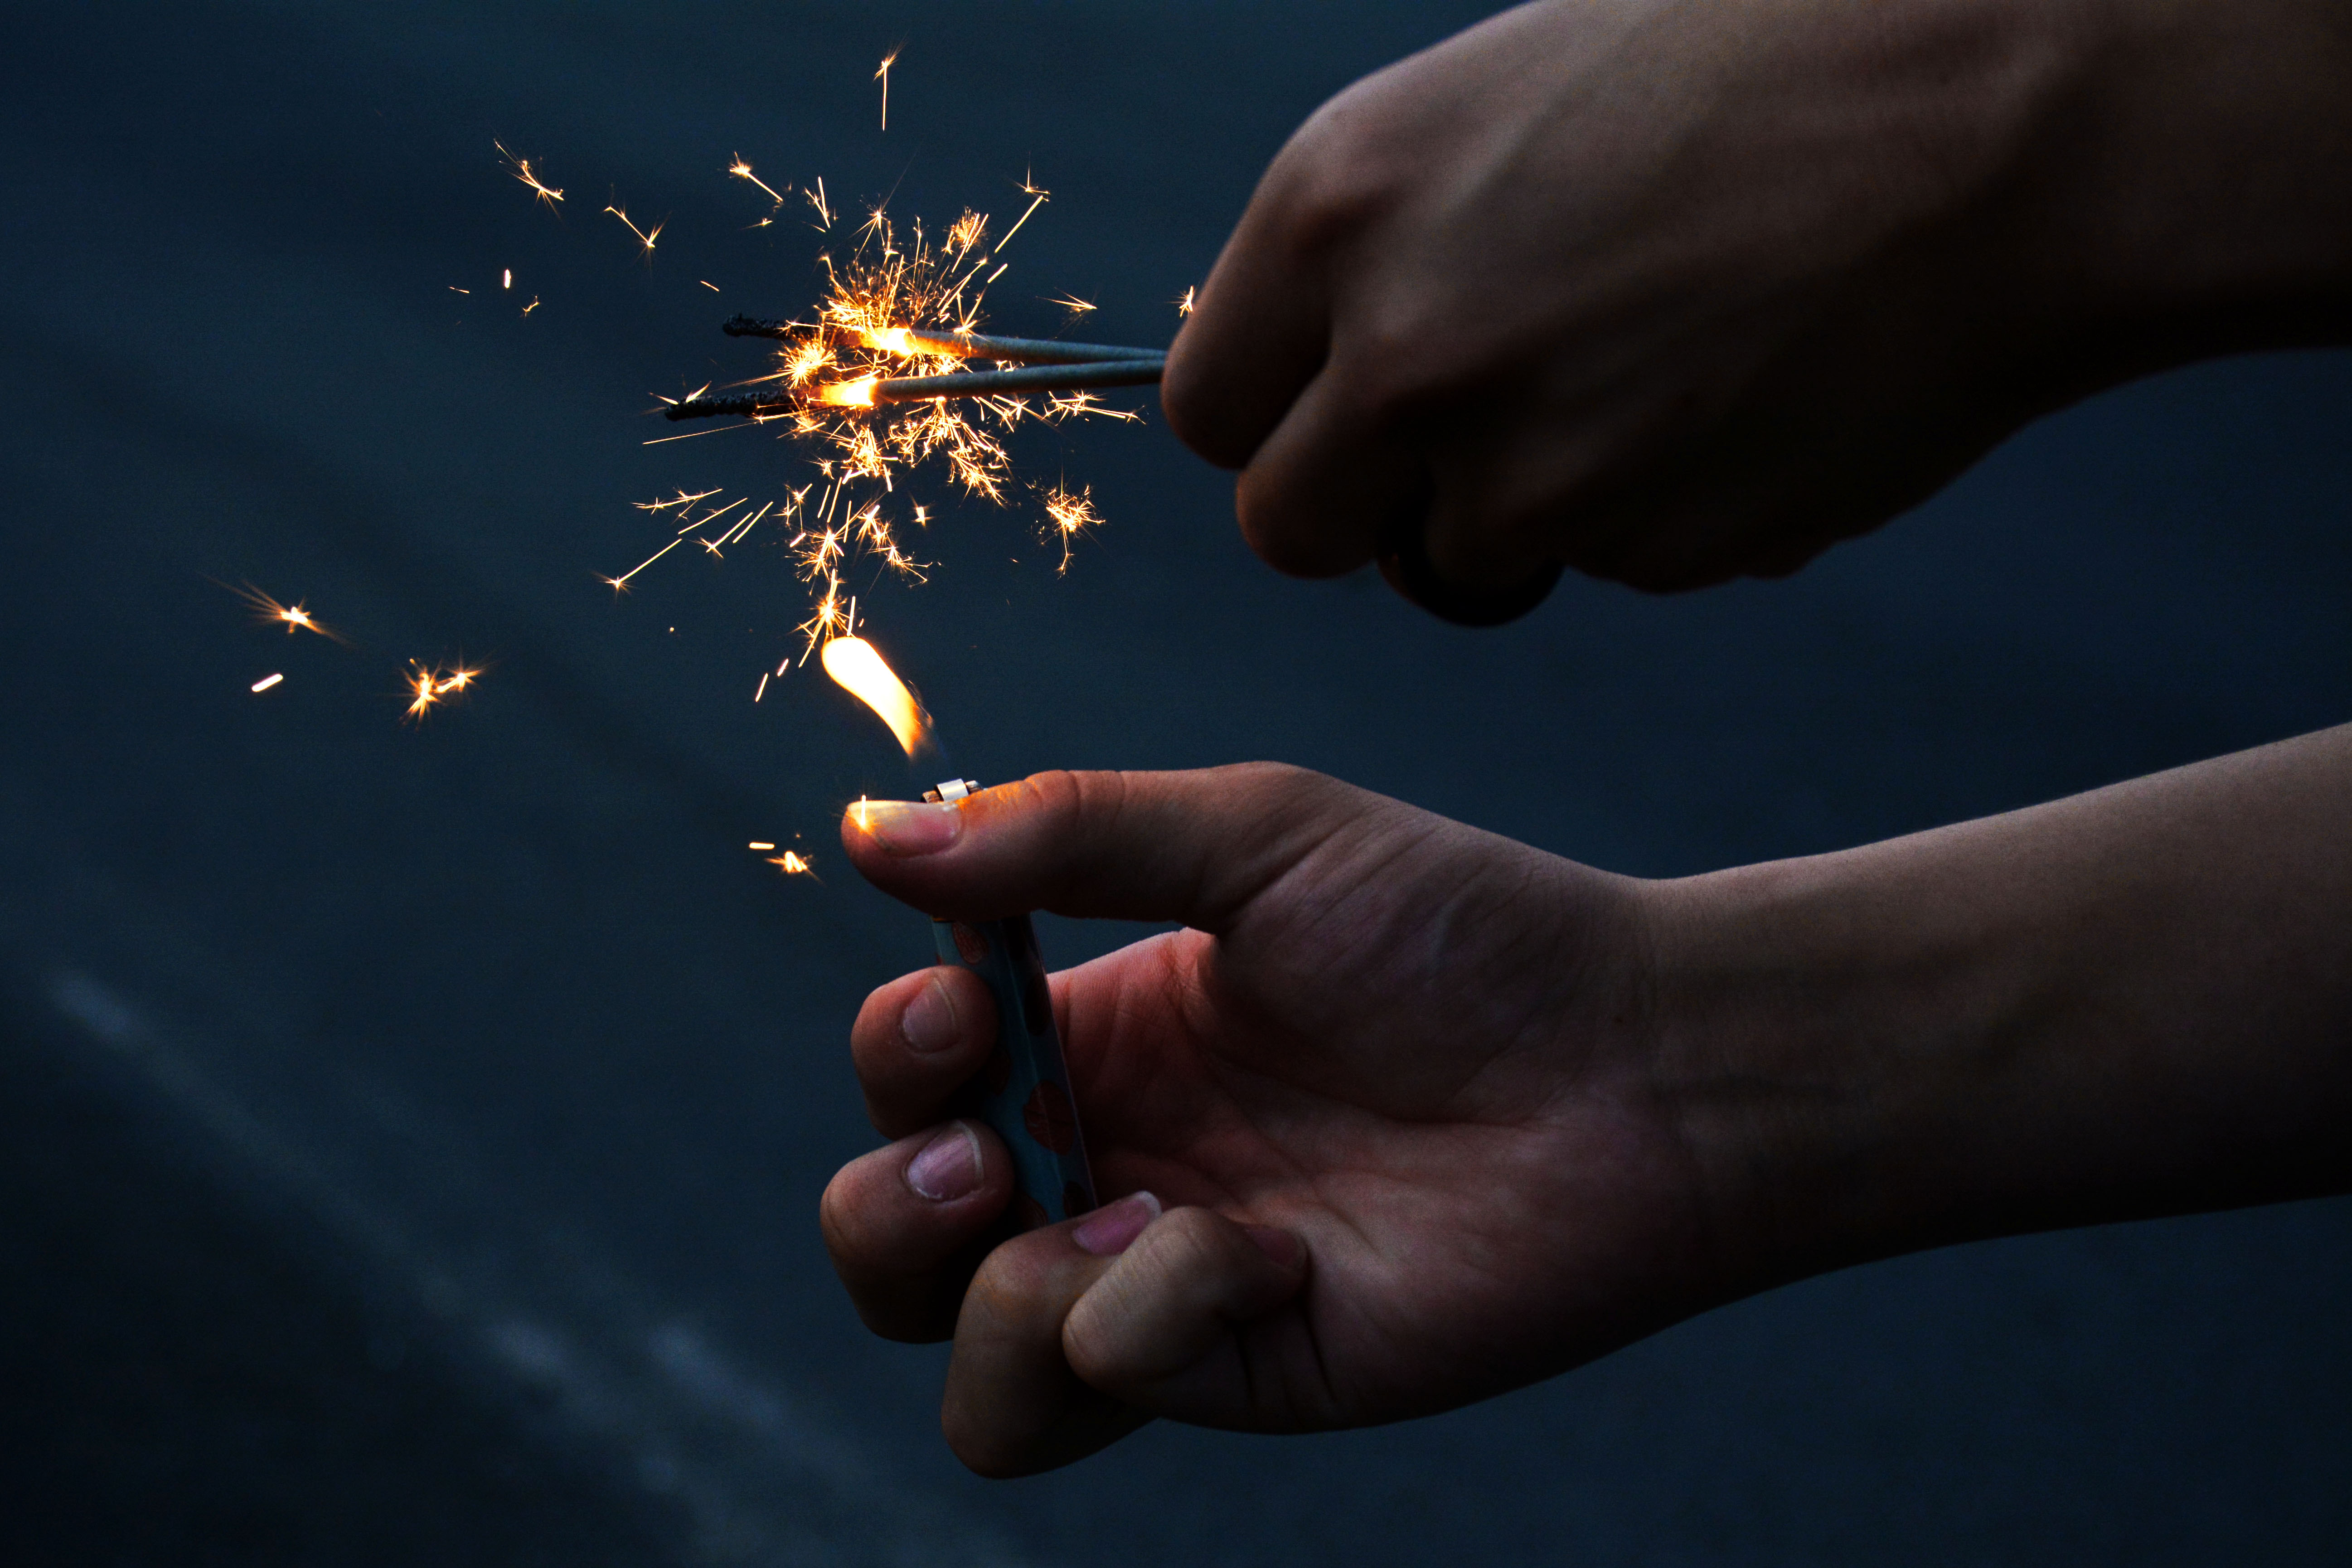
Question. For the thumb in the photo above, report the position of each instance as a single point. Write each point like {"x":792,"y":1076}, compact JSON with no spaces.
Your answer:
{"x":1195,"y":847}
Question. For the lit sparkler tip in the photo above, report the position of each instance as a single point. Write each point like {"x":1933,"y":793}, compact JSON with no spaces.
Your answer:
{"x":850,"y":393}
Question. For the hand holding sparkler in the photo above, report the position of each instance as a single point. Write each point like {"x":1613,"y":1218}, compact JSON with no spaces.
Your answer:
{"x":1674,"y":294}
{"x":1409,"y":1114}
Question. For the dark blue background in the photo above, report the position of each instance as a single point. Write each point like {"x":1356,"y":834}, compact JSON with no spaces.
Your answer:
{"x":410,"y":1136}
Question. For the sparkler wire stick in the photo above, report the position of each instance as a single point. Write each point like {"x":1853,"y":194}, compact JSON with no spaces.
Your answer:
{"x":1024,"y":1090}
{"x":920,"y":388}
{"x":970,"y":345}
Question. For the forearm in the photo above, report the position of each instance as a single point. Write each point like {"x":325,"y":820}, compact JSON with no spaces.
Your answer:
{"x":2130,"y":1003}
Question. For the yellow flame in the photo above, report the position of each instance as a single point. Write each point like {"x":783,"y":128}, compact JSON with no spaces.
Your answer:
{"x":856,"y":394}
{"x":858,"y":670}
{"x":891,"y":341}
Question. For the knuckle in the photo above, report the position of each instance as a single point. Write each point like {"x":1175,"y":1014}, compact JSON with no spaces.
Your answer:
{"x":1334,"y":179}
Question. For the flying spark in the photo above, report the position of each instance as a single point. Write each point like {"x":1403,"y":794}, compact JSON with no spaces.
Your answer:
{"x":1067,"y":516}
{"x":882,"y":76}
{"x":761,"y":844}
{"x":1074,"y":305}
{"x":428,"y":686}
{"x":266,"y":682}
{"x":293,"y":618}
{"x":743,"y":171}
{"x":1184,"y":306}
{"x":643,"y":237}
{"x":522,"y":171}
{"x":793,"y":864}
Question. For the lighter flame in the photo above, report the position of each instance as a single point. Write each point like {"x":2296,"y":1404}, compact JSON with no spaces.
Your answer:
{"x":858,"y":670}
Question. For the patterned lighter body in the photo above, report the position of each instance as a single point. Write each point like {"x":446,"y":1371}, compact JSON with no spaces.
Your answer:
{"x":1023,"y":1091}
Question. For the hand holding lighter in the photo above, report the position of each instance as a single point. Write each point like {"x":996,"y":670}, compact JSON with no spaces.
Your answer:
{"x":1024,"y":1090}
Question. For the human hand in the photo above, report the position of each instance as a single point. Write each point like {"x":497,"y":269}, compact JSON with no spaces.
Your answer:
{"x":1674,"y":293}
{"x":1393,"y":1085}
{"x":1432,"y":1114}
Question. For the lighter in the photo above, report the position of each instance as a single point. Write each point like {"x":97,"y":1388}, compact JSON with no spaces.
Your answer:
{"x":1023,"y":1091}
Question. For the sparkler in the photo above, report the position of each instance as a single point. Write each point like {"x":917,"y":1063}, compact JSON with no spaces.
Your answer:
{"x":885,"y":374}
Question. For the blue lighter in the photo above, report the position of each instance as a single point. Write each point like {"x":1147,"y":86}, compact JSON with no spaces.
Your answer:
{"x":1023,"y":1091}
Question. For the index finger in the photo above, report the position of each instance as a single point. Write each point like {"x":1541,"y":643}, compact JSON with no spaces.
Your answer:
{"x":1259,"y":330}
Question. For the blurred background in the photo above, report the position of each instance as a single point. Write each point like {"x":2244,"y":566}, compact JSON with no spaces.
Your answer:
{"x":410,"y":1134}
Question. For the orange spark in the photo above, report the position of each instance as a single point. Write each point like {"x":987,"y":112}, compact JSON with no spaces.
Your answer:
{"x":1068,"y":516}
{"x":643,"y":237}
{"x":793,"y":864}
{"x":522,"y":171}
{"x":743,"y":171}
{"x":293,"y":618}
{"x":1073,"y":304}
{"x":1184,"y":306}
{"x":882,"y":76}
{"x":428,"y":686}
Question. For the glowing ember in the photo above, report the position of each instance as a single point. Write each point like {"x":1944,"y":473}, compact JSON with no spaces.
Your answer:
{"x":522,"y":171}
{"x":1067,"y":516}
{"x":644,"y":239}
{"x":793,"y":864}
{"x":266,"y":682}
{"x":858,"y":670}
{"x":428,"y":686}
{"x":761,"y":844}
{"x":293,"y":618}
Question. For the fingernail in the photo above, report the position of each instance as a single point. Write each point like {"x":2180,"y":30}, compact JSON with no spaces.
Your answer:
{"x":1112,"y":1229}
{"x":948,"y":1167}
{"x":908,"y":826}
{"x":928,"y":1022}
{"x":1286,"y":1249}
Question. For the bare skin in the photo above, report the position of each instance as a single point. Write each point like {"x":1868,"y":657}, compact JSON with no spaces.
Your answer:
{"x":1673,"y":291}
{"x":1670,"y":291}
{"x":1432,"y":1114}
